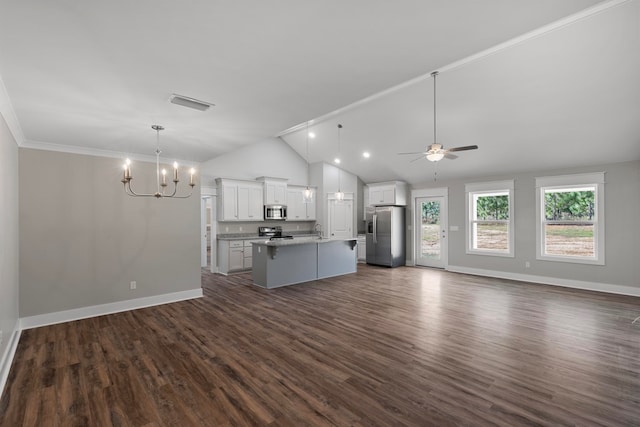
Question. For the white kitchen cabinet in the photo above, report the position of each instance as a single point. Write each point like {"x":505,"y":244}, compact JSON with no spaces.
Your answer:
{"x":239,"y":200}
{"x":388,"y":193}
{"x":228,"y":202}
{"x":250,"y":202}
{"x":236,"y":259}
{"x":275,"y":191}
{"x":235,"y":255}
{"x":230,"y":256}
{"x":297,"y":210}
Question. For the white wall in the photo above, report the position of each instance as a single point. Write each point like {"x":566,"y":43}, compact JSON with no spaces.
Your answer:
{"x":9,"y":261}
{"x":271,"y":157}
{"x":622,"y":210}
{"x":82,"y":239}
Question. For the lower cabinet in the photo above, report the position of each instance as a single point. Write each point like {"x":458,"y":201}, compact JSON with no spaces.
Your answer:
{"x":362,"y":248}
{"x":235,"y":255}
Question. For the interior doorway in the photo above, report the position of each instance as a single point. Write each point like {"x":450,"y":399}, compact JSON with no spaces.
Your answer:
{"x":341,"y":217}
{"x":208,"y":232}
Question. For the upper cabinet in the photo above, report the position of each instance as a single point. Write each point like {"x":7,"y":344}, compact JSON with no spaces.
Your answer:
{"x":239,"y":200}
{"x":275,"y":190}
{"x":297,"y":210}
{"x":388,"y":193}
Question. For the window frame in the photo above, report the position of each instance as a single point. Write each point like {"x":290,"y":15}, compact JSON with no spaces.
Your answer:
{"x":490,"y":188}
{"x":578,"y":182}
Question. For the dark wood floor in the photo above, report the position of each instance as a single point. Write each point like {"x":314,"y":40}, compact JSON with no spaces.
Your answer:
{"x":383,"y":347}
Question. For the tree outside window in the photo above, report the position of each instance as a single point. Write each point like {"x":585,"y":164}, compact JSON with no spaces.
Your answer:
{"x":490,"y":221}
{"x":571,"y":218}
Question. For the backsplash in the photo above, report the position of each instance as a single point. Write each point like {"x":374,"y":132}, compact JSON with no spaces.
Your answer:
{"x":252,"y":227}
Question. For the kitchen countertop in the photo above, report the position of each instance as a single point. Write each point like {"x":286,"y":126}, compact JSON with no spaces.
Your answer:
{"x":300,"y":241}
{"x":250,"y":236}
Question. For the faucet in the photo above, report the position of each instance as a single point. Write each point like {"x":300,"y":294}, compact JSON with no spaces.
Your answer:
{"x":318,"y":229}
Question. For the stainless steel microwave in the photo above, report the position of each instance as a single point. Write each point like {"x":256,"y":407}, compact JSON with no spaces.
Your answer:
{"x":275,"y":212}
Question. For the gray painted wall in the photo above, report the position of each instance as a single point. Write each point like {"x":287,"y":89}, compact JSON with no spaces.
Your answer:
{"x":622,"y":210}
{"x":9,"y":262}
{"x":82,"y":240}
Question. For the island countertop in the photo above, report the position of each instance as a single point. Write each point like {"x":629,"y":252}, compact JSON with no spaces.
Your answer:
{"x":301,"y":241}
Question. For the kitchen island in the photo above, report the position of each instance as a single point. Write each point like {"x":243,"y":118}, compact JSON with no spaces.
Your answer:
{"x":287,"y":262}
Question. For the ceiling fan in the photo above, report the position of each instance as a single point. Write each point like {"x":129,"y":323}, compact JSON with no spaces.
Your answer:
{"x":436,"y":152}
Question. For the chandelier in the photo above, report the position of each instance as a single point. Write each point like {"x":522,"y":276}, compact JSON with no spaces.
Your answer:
{"x":161,"y":176}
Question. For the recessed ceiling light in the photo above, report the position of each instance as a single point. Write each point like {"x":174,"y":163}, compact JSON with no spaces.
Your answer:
{"x":312,"y":135}
{"x":185,"y":101}
{"x":366,"y":155}
{"x":336,"y":160}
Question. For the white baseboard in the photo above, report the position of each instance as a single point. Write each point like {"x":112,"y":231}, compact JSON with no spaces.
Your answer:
{"x":567,"y":283}
{"x":7,"y":357}
{"x":110,"y":308}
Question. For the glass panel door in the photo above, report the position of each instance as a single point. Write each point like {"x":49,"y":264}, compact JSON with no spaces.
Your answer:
{"x":431,"y":232}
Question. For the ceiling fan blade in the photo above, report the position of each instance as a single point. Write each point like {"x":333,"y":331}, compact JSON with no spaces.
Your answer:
{"x":465,"y":148}
{"x":416,"y":152}
{"x":417,"y":158}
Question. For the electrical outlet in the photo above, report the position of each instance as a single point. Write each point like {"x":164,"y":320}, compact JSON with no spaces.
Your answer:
{"x":527,"y":264}
{"x":297,"y":227}
{"x":226,"y":229}
{"x":133,"y":285}
{"x":240,"y":228}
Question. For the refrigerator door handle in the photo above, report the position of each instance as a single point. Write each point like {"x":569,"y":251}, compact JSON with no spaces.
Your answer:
{"x":375,"y":228}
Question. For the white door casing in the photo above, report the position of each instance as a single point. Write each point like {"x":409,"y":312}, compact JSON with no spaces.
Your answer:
{"x":433,"y":250}
{"x":341,"y":218}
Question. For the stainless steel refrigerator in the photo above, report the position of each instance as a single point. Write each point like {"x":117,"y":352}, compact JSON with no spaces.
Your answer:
{"x":386,"y":235}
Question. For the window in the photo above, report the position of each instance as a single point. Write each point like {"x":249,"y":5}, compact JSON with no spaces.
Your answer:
{"x":490,"y":218}
{"x":570,"y":226}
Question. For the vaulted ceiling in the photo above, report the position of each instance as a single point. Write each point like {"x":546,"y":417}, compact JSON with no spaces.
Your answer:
{"x":534,"y":83}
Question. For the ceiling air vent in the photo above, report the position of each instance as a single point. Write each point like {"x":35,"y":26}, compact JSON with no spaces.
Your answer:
{"x":185,"y":101}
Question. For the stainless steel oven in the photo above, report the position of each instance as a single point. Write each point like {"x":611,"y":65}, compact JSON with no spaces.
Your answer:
{"x":275,"y":212}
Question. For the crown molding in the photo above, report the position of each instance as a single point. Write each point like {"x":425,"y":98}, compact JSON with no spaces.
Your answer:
{"x":87,"y":151}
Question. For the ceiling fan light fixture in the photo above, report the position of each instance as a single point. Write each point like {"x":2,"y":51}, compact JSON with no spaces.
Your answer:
{"x":185,"y":101}
{"x":435,"y":157}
